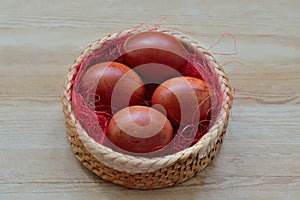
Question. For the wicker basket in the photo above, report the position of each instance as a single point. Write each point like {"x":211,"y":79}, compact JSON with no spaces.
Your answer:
{"x":141,"y":172}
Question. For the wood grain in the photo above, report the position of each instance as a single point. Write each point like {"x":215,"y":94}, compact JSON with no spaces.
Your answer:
{"x":40,"y":39}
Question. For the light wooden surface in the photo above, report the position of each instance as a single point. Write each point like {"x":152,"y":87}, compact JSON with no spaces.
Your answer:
{"x":260,"y":158}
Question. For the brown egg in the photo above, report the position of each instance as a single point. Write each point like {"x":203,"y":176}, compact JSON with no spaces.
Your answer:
{"x":186,"y":100}
{"x":139,"y":129}
{"x":155,"y":50}
{"x":102,"y":78}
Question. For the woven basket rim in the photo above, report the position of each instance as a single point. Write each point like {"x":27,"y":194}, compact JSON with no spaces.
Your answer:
{"x":204,"y":142}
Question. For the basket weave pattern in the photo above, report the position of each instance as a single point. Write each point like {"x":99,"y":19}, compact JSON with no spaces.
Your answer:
{"x":140,"y":172}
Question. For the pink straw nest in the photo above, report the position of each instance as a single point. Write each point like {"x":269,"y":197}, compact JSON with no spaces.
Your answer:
{"x":94,"y":117}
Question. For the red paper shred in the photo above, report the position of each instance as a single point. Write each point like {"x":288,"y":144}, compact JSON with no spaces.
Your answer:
{"x":95,"y":117}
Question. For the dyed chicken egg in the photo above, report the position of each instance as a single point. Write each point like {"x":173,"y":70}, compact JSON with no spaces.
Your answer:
{"x":139,"y":129}
{"x":156,"y":56}
{"x":100,"y":81}
{"x":186,"y":100}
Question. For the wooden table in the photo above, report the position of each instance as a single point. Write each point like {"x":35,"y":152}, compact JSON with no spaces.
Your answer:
{"x":39,"y":40}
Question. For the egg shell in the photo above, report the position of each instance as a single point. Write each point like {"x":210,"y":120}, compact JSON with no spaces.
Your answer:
{"x":155,"y":50}
{"x":139,"y":129}
{"x":102,"y":78}
{"x":186,"y":100}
